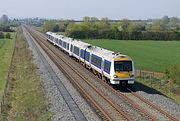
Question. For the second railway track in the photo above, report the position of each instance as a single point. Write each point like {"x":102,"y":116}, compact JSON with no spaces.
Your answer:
{"x":108,"y":109}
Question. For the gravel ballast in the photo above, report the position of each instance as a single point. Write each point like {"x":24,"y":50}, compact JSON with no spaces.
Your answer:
{"x":156,"y":98}
{"x":160,"y":100}
{"x":58,"y":105}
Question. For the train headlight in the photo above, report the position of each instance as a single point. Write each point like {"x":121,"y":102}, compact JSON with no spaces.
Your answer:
{"x":115,"y":76}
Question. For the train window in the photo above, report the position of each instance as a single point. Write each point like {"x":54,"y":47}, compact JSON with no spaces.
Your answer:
{"x":123,"y":66}
{"x":64,"y":44}
{"x":76,"y":50}
{"x":107,"y":66}
{"x":71,"y":48}
{"x":87,"y":55}
{"x":96,"y":60}
{"x":82,"y":53}
{"x":68,"y":46}
{"x":60,"y":42}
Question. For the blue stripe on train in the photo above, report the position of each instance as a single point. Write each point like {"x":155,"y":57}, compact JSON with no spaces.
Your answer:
{"x":85,"y":56}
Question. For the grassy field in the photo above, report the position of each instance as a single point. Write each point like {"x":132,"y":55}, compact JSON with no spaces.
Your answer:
{"x":25,"y":99}
{"x":6,"y":50}
{"x":148,"y":55}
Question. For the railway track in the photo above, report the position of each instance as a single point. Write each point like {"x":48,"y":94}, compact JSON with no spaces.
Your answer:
{"x":77,"y":113}
{"x":146,"y":106}
{"x":151,"y":106}
{"x":126,"y":97}
{"x":107,"y":109}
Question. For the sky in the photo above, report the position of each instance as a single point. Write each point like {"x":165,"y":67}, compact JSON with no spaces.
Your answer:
{"x":77,"y":9}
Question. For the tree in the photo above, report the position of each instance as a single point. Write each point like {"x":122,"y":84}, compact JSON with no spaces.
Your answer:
{"x":1,"y":35}
{"x":49,"y":26}
{"x":8,"y":35}
{"x":86,"y":19}
{"x":134,"y":27}
{"x":165,"y":20}
{"x":94,"y":19}
{"x":174,"y":73}
{"x":55,"y":28}
{"x":105,"y":20}
{"x":156,"y":26}
{"x":174,"y":21}
{"x":124,"y":25}
{"x":4,"y":19}
{"x":63,"y":25}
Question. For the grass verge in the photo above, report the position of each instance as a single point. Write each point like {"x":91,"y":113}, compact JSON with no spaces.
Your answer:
{"x":6,"y":50}
{"x":25,"y":100}
{"x":162,"y":86}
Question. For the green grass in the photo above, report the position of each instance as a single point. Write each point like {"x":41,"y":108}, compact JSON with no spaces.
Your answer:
{"x":148,"y":55}
{"x":25,"y":99}
{"x":162,"y":86}
{"x":13,"y":34}
{"x":6,"y":50}
{"x":39,"y":28}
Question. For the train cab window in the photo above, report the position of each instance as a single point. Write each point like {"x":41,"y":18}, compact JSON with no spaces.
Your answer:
{"x":123,"y":66}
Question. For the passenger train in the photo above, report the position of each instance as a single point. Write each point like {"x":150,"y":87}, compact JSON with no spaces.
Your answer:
{"x":113,"y":67}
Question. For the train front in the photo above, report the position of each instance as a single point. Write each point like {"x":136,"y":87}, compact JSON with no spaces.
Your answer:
{"x":122,"y":71}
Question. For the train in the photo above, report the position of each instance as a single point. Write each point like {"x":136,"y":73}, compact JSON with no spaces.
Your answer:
{"x":113,"y":67}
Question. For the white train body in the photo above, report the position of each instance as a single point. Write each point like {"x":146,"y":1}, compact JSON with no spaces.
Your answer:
{"x":113,"y":67}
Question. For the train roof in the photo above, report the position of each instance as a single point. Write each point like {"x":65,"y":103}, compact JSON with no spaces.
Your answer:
{"x":55,"y":35}
{"x":81,"y":44}
{"x":108,"y":54}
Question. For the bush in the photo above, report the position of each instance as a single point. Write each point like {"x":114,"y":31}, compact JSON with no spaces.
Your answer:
{"x":1,"y":35}
{"x":90,"y":31}
{"x":173,"y":73}
{"x":8,"y":35}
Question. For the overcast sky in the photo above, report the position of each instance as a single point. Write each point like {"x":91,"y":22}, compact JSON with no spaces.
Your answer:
{"x":77,"y":9}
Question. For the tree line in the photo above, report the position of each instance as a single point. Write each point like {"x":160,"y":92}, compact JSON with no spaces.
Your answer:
{"x":5,"y":35}
{"x":5,"y":27}
{"x":92,"y":28}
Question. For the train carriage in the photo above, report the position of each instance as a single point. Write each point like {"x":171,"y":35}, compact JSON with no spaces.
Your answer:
{"x":66,"y":42}
{"x":116,"y":68}
{"x":78,"y":49}
{"x":50,"y":36}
